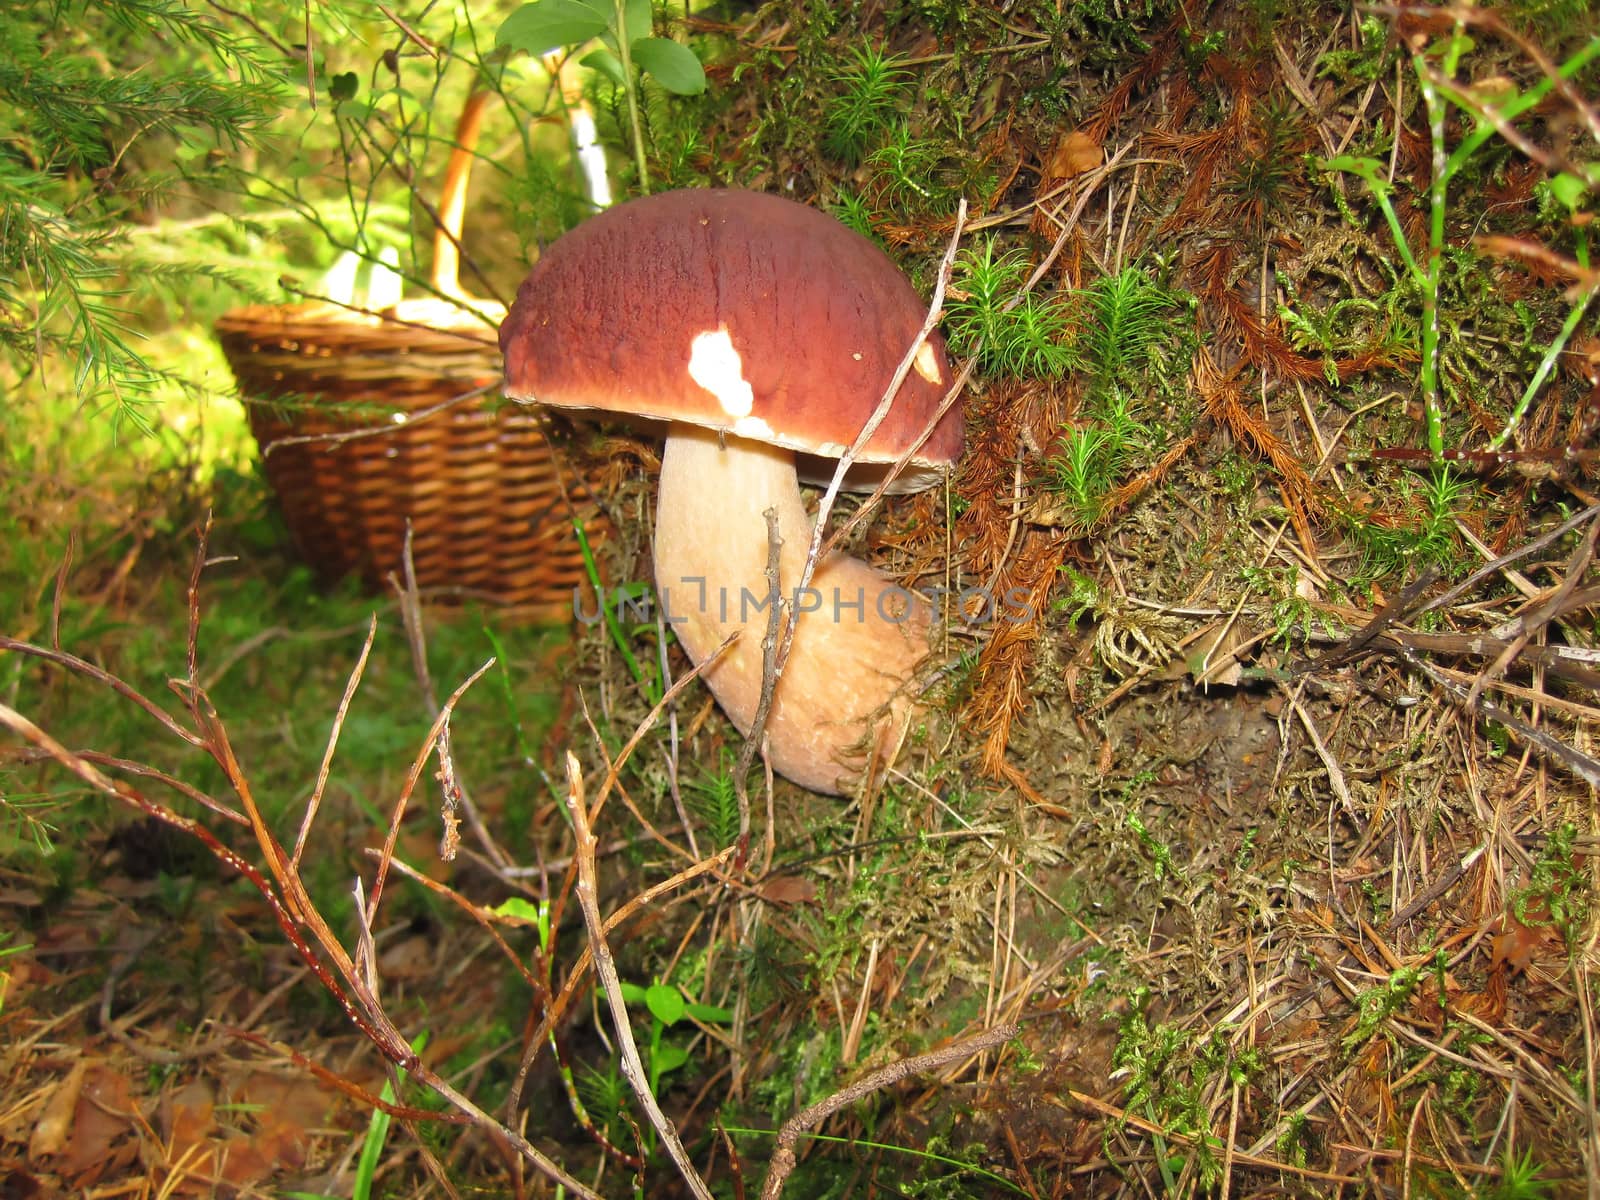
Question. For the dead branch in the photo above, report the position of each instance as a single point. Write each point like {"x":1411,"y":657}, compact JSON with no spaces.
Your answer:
{"x":783,"y":1156}
{"x":605,"y":969}
{"x":769,"y":679}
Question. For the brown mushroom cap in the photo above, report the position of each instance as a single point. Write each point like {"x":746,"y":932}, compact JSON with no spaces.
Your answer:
{"x":795,"y":321}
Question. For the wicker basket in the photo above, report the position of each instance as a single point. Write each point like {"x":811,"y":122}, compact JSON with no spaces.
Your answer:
{"x":489,"y":502}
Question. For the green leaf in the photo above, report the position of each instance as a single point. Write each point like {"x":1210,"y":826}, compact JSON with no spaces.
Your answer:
{"x":606,"y":63}
{"x":666,"y":1003}
{"x":710,"y":1014}
{"x":1569,"y":189}
{"x":666,"y":1058}
{"x":546,"y":24}
{"x":633,"y":993}
{"x":670,"y":64}
{"x":1367,"y":168}
{"x":636,"y":20}
{"x":518,"y":909}
{"x":344,"y":86}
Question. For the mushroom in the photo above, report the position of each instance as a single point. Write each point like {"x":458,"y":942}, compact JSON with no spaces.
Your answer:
{"x":762,"y":332}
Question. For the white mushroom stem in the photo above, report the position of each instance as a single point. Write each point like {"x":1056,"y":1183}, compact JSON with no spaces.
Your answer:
{"x":856,"y":644}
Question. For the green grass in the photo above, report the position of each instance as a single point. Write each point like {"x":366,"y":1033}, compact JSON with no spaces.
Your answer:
{"x":275,"y":648}
{"x":1435,"y":68}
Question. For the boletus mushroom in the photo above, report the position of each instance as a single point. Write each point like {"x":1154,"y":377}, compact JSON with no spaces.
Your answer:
{"x":764,"y":334}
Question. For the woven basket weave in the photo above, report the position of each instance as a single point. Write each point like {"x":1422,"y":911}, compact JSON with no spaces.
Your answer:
{"x":489,"y":503}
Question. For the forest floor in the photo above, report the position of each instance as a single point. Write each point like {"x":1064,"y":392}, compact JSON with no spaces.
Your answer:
{"x":1271,"y":827}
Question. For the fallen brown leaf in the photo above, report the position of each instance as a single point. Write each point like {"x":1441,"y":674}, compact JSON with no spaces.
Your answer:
{"x":50,"y":1134}
{"x":1075,"y":154}
{"x":103,"y":1117}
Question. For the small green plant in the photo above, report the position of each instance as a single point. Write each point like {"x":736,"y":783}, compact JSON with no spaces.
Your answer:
{"x":515,"y":908}
{"x":905,"y":172}
{"x":1010,"y":333}
{"x":1082,"y":597}
{"x":1291,"y":1144}
{"x":1489,"y":115}
{"x":1093,"y":459}
{"x":1423,"y":534}
{"x":627,"y":49}
{"x":713,"y":798}
{"x":21,"y":822}
{"x":851,"y":210}
{"x":1127,"y":321}
{"x":1519,"y":1179}
{"x":870,"y":89}
{"x":1366,"y":61}
{"x":1163,"y":862}
{"x":1461,"y":1091}
{"x":1348,"y":326}
{"x":1293,"y":616}
{"x":1126,"y":310}
{"x":1264,"y":184}
{"x":1558,"y":893}
{"x":1377,"y":1004}
{"x":1165,"y":1073}
{"x":1164,"y":865}
{"x":664,"y":1054}
{"x":604,"y":1094}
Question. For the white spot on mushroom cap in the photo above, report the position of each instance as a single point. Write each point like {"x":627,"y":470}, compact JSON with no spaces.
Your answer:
{"x":927,"y":363}
{"x":715,"y":365}
{"x":755,"y":429}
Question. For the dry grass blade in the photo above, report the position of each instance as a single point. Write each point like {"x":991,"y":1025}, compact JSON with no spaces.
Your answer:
{"x":1135,"y":1121}
{"x":605,"y":968}
{"x":315,"y":800}
{"x":769,"y":682}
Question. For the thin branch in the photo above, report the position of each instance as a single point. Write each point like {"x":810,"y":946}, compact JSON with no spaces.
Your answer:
{"x":351,"y":435}
{"x":769,"y":679}
{"x":606,"y":970}
{"x":879,"y":414}
{"x":440,"y":722}
{"x":411,"y":35}
{"x":326,"y":767}
{"x":783,"y":1156}
{"x":89,"y":671}
{"x":1499,"y":564}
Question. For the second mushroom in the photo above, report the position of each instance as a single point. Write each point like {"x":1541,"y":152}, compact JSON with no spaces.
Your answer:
{"x":764,"y":334}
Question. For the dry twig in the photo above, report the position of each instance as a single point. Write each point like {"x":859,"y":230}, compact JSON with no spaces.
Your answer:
{"x":606,"y":970}
{"x":783,"y":1156}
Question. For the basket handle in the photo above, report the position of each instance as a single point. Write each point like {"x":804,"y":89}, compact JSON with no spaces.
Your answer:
{"x":446,"y":272}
